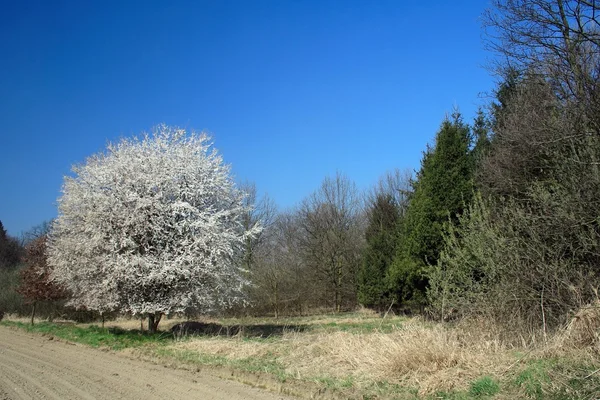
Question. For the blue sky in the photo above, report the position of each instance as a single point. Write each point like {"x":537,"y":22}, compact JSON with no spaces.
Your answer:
{"x":291,"y":91}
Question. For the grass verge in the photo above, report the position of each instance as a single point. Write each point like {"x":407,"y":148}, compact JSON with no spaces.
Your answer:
{"x":359,"y":356}
{"x":113,"y":338}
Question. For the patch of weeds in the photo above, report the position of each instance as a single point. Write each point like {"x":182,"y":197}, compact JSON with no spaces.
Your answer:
{"x":572,"y":380}
{"x":252,"y":339}
{"x":327,"y":381}
{"x":484,"y":387}
{"x":190,"y":357}
{"x":533,"y":378}
{"x":268,"y":365}
{"x":385,"y":390}
{"x":347,"y":382}
{"x":452,"y":395}
{"x":336,"y":384}
{"x":586,"y":382}
{"x":360,"y":327}
{"x":257,"y":364}
{"x":560,"y":379}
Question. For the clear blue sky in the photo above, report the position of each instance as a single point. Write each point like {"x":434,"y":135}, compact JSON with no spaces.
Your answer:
{"x":291,"y":91}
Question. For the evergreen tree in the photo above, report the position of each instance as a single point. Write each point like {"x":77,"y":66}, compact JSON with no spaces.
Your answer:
{"x":442,"y":189}
{"x":507,"y":89}
{"x":481,"y":137}
{"x":10,"y":249}
{"x":381,"y":247}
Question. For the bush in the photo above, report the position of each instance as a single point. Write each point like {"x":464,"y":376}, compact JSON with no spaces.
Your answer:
{"x":11,"y":302}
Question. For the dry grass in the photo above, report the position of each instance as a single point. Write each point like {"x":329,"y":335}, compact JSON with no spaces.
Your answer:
{"x":414,"y":354}
{"x":417,"y":355}
{"x":579,"y":339}
{"x":411,"y":353}
{"x":584,"y":328}
{"x":232,"y":348}
{"x":429,"y":358}
{"x":17,"y":318}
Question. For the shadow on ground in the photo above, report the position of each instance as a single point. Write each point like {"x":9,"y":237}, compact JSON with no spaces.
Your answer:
{"x":212,"y":329}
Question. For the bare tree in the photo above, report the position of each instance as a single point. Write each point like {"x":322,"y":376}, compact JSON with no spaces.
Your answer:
{"x":535,"y":233}
{"x":558,"y":40}
{"x":395,"y":183}
{"x":260,"y":211}
{"x":278,"y":274}
{"x":37,"y":231}
{"x":36,"y":283}
{"x":525,"y":143}
{"x":332,"y":238}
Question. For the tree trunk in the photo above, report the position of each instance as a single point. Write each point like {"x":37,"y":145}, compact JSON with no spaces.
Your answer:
{"x":338,"y":287}
{"x":153,"y":320}
{"x":102,"y":316}
{"x":276,"y":301}
{"x":33,"y":311}
{"x":151,"y":324}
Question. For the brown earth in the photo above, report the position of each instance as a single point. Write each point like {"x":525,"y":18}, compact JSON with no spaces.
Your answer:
{"x":38,"y":367}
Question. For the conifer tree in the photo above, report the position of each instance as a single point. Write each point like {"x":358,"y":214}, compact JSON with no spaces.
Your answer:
{"x":379,"y":253}
{"x":481,"y":137}
{"x":442,"y":189}
{"x":10,"y":249}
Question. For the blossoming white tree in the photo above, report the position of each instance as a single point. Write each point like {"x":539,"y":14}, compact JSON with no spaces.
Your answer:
{"x":152,"y":226}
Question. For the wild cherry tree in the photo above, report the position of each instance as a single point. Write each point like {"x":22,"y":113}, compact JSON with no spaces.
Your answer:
{"x":152,"y":226}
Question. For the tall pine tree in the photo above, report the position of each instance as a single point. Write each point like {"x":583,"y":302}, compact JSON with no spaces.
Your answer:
{"x":442,"y":189}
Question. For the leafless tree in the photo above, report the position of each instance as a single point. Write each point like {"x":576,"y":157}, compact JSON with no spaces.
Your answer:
{"x":535,"y":235}
{"x":558,"y":40}
{"x":395,"y":183}
{"x":526,"y":141}
{"x":262,"y":211}
{"x":37,"y":231}
{"x":36,"y":283}
{"x":332,"y":238}
{"x":278,"y":275}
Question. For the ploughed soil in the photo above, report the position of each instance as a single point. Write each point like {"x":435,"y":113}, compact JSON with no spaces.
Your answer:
{"x":39,"y":367}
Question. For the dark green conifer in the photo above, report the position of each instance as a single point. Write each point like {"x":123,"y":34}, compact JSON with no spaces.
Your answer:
{"x":442,"y":189}
{"x":379,"y":253}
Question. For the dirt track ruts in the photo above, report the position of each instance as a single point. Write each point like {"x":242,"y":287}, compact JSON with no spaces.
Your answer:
{"x":35,"y":367}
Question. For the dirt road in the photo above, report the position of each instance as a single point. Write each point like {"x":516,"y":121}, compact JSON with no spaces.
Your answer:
{"x":34,"y":367}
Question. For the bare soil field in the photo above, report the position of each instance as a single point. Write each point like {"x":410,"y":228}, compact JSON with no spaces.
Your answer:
{"x":38,"y":367}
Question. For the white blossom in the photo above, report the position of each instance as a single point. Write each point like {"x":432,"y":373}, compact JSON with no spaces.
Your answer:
{"x":151,"y":225}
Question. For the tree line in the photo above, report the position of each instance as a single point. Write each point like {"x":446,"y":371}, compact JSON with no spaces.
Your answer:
{"x":500,"y":221}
